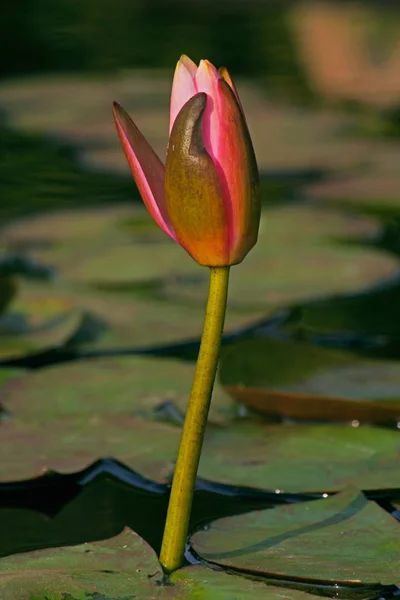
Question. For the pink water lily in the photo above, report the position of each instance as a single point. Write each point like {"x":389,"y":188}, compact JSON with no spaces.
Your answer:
{"x":206,"y":197}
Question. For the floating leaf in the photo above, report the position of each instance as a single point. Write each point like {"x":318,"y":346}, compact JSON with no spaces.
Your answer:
{"x":71,"y":443}
{"x":296,"y":258}
{"x":8,"y":289}
{"x":343,"y":539}
{"x":116,"y":568}
{"x":117,"y":265}
{"x":377,"y":191}
{"x":120,"y":568}
{"x":302,"y":458}
{"x":216,"y":585}
{"x":7,"y":375}
{"x":37,"y":319}
{"x":296,"y":380}
{"x":127,"y":321}
{"x":67,"y":226}
{"x":97,"y":388}
{"x":64,"y":238}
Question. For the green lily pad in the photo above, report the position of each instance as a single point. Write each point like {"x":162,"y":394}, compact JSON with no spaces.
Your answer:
{"x":114,"y":569}
{"x":296,"y":380}
{"x":66,"y":238}
{"x":302,"y":458}
{"x":97,"y":388}
{"x":8,"y":289}
{"x":120,"y":264}
{"x":298,"y":256}
{"x":120,"y":568}
{"x":113,"y":254}
{"x":207,"y":584}
{"x":37,"y":319}
{"x":128,"y":321}
{"x":344,"y":539}
{"x":7,"y":375}
{"x":68,"y":226}
{"x":71,"y":443}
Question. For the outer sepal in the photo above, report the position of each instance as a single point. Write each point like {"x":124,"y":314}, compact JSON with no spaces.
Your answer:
{"x":193,"y":193}
{"x":147,"y":169}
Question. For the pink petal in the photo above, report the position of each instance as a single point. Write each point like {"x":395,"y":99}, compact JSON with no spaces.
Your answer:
{"x":147,"y":169}
{"x":237,"y":169}
{"x":207,"y":78}
{"x":183,"y":86}
{"x":223,"y":71}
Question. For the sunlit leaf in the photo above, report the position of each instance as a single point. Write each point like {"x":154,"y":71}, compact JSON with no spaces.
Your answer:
{"x":302,"y":458}
{"x":341,"y":539}
{"x":120,"y":568}
{"x":130,"y":386}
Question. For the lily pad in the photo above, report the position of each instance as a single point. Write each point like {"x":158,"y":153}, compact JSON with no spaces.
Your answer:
{"x":97,"y":388}
{"x":71,"y":443}
{"x":66,"y":238}
{"x":343,"y":539}
{"x":68,"y":226}
{"x":8,"y":289}
{"x":302,"y":458}
{"x":37,"y":319}
{"x":7,"y":375}
{"x":379,"y":192}
{"x":116,"y":568}
{"x":296,"y":380}
{"x":373,"y":314}
{"x":125,"y":320}
{"x":298,"y":256}
{"x":209,"y":584}
{"x":120,"y":568}
{"x":120,"y":264}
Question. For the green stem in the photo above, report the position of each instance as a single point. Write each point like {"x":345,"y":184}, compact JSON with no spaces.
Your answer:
{"x":180,"y":504}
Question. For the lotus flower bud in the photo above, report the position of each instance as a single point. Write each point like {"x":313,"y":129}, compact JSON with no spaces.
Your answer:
{"x":206,"y":198}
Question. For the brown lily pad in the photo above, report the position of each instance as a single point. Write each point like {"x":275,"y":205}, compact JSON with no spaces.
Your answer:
{"x":296,"y":380}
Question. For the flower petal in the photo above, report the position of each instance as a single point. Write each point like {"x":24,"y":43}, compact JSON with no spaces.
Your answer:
{"x":147,"y":169}
{"x":192,"y":189}
{"x":207,"y":78}
{"x":237,"y":169}
{"x":223,"y":71}
{"x":183,"y":86}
